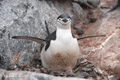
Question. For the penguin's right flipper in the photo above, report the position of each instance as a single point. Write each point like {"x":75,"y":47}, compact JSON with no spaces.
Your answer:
{"x":91,"y":36}
{"x":30,"y":38}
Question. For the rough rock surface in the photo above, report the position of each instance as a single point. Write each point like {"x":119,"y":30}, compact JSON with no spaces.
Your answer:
{"x":84,"y":70}
{"x":105,"y":52}
{"x":24,"y":75}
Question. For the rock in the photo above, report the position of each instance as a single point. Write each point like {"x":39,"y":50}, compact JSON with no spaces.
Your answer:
{"x":111,"y":77}
{"x":83,"y":74}
{"x":92,"y":20}
{"x":88,"y":3}
{"x":24,"y":75}
{"x":2,"y":72}
{"x":107,"y":4}
{"x":79,"y":31}
{"x":104,"y":51}
{"x":87,"y":69}
{"x":93,"y":2}
{"x":79,"y":14}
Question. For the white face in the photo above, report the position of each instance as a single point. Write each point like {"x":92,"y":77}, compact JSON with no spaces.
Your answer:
{"x":64,"y":21}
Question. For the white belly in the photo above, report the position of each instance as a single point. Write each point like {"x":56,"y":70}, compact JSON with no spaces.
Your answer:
{"x":62,"y":54}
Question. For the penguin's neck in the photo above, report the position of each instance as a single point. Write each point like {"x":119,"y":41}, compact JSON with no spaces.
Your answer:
{"x":63,"y":34}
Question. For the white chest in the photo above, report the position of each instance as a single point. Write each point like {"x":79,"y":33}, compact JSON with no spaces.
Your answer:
{"x":63,"y":46}
{"x":64,"y":42}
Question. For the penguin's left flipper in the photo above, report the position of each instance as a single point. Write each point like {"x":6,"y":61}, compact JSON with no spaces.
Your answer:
{"x":91,"y":37}
{"x":30,"y":38}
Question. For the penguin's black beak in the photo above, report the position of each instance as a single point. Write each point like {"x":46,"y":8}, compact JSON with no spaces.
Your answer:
{"x":64,"y":20}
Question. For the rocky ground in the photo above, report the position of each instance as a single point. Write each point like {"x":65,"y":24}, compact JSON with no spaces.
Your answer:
{"x":84,"y":70}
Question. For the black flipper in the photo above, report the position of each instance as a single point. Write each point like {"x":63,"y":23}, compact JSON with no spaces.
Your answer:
{"x":52,"y":36}
{"x":30,"y":38}
{"x":115,"y":7}
{"x":46,"y":25}
{"x":90,"y":37}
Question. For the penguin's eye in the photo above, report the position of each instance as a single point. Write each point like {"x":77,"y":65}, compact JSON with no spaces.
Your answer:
{"x":60,"y":19}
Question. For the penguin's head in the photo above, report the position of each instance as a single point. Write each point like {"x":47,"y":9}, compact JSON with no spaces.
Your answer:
{"x":64,"y":20}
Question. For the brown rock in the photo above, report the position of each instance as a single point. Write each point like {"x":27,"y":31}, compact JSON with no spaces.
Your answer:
{"x":104,"y":51}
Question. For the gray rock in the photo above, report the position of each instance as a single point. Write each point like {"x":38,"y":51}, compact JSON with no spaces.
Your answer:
{"x":24,"y":75}
{"x":87,"y":69}
{"x":79,"y":13}
{"x":94,"y":2}
{"x":83,"y":74}
{"x":2,"y":72}
{"x":111,"y":77}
